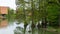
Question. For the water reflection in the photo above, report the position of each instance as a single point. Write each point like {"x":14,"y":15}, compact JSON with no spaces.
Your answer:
{"x":19,"y":28}
{"x":3,"y":23}
{"x":5,"y":28}
{"x":13,"y":28}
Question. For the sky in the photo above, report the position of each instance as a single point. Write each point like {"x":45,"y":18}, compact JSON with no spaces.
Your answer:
{"x":9,"y":3}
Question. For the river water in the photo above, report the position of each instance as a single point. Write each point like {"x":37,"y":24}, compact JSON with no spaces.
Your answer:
{"x":10,"y":27}
{"x":7,"y":27}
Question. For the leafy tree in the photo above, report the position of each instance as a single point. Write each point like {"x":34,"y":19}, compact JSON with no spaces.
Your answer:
{"x":46,"y":11}
{"x":11,"y":14}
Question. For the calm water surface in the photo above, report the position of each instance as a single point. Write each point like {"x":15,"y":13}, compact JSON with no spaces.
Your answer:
{"x":10,"y":27}
{"x":6,"y":27}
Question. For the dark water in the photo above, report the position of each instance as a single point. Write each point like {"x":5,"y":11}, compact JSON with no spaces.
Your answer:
{"x":10,"y":27}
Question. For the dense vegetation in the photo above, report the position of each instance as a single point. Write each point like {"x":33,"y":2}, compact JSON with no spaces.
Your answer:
{"x":47,"y":11}
{"x":11,"y":14}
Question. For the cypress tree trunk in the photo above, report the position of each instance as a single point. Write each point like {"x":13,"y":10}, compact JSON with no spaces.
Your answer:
{"x":32,"y":5}
{"x":39,"y":19}
{"x":25,"y":22}
{"x":44,"y":18}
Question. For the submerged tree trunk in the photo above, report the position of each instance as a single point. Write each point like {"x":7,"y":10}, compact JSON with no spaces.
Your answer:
{"x":25,"y":25}
{"x":39,"y":26}
{"x":44,"y":23}
{"x":33,"y":26}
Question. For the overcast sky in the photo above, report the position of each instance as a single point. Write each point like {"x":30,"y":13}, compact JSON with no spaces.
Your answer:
{"x":10,"y":3}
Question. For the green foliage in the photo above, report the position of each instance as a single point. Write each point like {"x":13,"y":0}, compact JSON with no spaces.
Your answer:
{"x":11,"y":14}
{"x":52,"y":10}
{"x":38,"y":9}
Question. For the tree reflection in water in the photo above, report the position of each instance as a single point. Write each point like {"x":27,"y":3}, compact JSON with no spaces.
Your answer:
{"x":20,"y":28}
